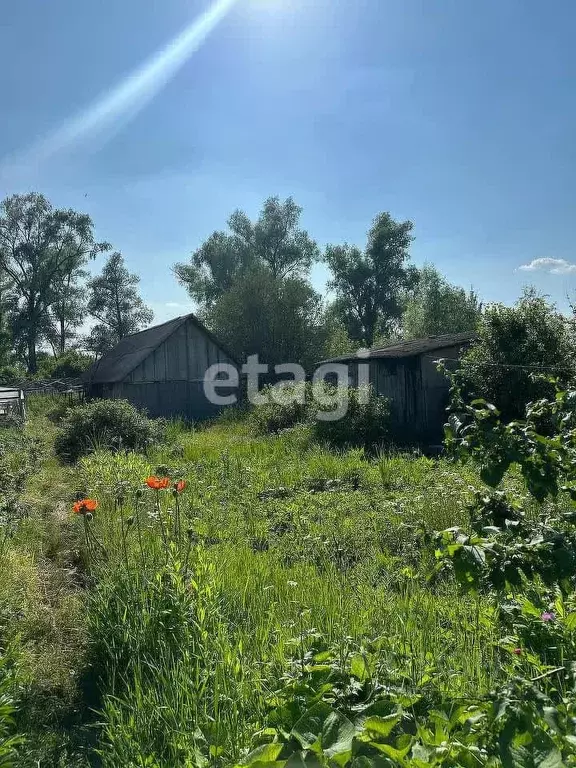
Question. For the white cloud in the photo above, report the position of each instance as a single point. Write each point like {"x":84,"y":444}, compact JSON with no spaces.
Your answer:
{"x":175,"y":305}
{"x":552,"y":266}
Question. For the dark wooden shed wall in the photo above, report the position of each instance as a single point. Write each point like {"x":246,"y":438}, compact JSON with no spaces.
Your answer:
{"x":170,"y":381}
{"x":417,"y":390}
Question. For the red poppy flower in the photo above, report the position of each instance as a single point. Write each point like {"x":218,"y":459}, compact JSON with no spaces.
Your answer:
{"x":180,"y":485}
{"x":85,"y":505}
{"x":517,"y":651}
{"x":157,"y":483}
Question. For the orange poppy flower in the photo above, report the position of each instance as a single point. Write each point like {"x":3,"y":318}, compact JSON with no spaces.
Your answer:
{"x":85,"y":505}
{"x":157,"y":483}
{"x":180,"y":485}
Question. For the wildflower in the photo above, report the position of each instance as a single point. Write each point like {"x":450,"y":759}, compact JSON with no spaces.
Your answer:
{"x":179,"y":486}
{"x":517,"y":651}
{"x":548,"y":616}
{"x":157,"y":483}
{"x":85,"y":506}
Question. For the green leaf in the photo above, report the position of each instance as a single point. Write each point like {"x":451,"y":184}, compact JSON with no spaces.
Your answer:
{"x":493,"y":473}
{"x":382,"y":727}
{"x":571,"y":621}
{"x":421,"y":752}
{"x":264,"y":755}
{"x":303,"y":760}
{"x":523,"y":749}
{"x":337,"y":734}
{"x":396,"y":754}
{"x":308,"y":729}
{"x":359,"y":668}
{"x":372,"y":762}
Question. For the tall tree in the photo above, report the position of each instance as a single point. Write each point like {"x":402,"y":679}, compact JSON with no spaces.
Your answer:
{"x":337,"y":342}
{"x":8,"y":303}
{"x":436,"y":307}
{"x":515,"y":345}
{"x":280,"y":320}
{"x":370,"y":284}
{"x":274,"y":242}
{"x":39,"y":245}
{"x":67,"y":313}
{"x":116,"y":305}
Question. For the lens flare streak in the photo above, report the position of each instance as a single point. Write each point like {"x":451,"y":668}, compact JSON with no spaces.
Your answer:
{"x":123,"y":102}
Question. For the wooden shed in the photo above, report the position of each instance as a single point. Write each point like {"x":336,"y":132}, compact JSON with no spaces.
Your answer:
{"x":407,"y":373}
{"x":162,"y":369}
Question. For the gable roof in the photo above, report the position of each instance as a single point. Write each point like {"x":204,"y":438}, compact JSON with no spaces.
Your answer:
{"x":117,"y":364}
{"x":411,"y":348}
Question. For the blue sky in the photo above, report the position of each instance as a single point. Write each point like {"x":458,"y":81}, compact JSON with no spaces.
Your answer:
{"x":457,"y":114}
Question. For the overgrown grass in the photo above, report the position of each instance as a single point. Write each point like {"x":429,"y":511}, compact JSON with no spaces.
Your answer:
{"x":176,"y":616}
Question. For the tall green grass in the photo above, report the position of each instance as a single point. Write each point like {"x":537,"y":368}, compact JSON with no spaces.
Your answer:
{"x":280,"y":543}
{"x":175,"y":617}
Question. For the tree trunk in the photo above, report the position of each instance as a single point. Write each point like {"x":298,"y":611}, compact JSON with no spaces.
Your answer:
{"x":32,"y":359}
{"x":62,"y":335}
{"x":119,"y":323}
{"x":32,"y":334}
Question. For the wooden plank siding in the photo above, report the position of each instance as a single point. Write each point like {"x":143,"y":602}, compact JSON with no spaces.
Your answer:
{"x":170,"y":381}
{"x":418,"y":392}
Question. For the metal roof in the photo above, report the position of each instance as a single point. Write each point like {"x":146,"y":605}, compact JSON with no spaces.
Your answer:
{"x":117,"y":364}
{"x":411,"y":348}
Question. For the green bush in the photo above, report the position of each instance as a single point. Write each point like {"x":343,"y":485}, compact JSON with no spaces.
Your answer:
{"x":286,"y":406}
{"x":365,"y":418}
{"x":10,"y":374}
{"x":70,"y":365}
{"x":114,"y":425}
{"x":514,"y":343}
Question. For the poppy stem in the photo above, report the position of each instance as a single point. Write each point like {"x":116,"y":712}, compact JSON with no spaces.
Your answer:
{"x":140,"y":544}
{"x":124,"y":531}
{"x":162,"y":526}
{"x":88,"y":547}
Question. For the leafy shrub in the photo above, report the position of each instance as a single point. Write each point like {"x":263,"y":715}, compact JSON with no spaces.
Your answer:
{"x":10,"y":374}
{"x":71,"y":365}
{"x":346,"y":709}
{"x":513,"y":344}
{"x":105,"y":424}
{"x":361,"y":417}
{"x":286,"y":405}
{"x":365,"y":418}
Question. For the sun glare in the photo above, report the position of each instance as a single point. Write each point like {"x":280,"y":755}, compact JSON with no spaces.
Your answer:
{"x":124,"y":100}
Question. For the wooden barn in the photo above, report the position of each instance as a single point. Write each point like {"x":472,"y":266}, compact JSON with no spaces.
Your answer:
{"x":162,"y":369}
{"x":406,"y":373}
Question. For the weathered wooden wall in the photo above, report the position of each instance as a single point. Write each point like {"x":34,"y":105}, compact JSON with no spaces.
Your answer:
{"x":184,"y":356}
{"x":435,"y":390}
{"x":417,"y":390}
{"x":170,"y":381}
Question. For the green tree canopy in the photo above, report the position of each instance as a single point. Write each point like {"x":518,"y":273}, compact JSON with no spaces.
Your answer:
{"x":39,"y":246}
{"x":436,"y":307}
{"x":280,"y":320}
{"x":370,"y":284}
{"x":274,"y":241}
{"x":515,"y":344}
{"x":116,"y":305}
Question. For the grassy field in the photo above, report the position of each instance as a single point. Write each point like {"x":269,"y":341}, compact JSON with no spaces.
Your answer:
{"x":162,"y":632}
